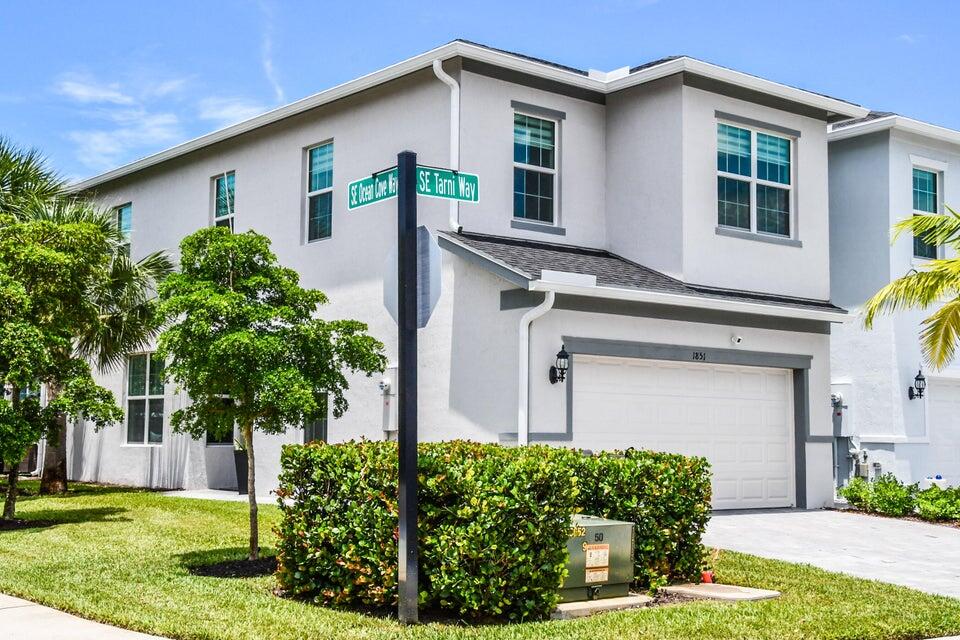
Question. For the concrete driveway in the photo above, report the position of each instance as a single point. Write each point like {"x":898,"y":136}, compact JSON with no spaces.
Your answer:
{"x":912,"y":554}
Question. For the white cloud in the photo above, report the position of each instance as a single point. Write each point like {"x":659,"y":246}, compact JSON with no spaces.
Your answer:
{"x":227,"y":111}
{"x":163,"y":88}
{"x":906,"y":38}
{"x":266,"y":52}
{"x":87,"y":90}
{"x":105,"y":148}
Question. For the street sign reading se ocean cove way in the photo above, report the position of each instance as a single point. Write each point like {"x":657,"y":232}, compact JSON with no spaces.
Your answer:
{"x":431,"y":182}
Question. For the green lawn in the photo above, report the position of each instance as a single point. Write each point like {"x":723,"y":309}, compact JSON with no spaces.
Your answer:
{"x":120,"y":556}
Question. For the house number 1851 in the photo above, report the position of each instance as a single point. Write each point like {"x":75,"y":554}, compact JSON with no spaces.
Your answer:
{"x":699,"y":355}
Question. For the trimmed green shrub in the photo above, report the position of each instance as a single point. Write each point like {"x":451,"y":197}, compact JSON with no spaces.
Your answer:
{"x":667,"y":497}
{"x":493,"y":525}
{"x":938,"y":504}
{"x":493,"y":522}
{"x":885,"y":495}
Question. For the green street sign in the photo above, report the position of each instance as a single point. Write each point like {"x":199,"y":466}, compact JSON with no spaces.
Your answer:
{"x":431,"y":182}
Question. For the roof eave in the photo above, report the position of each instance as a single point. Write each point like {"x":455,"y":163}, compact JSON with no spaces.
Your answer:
{"x":897,"y":123}
{"x":679,"y":300}
{"x":482,"y":54}
{"x":692,"y":65}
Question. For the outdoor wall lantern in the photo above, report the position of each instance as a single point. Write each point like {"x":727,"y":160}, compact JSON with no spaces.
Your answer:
{"x":919,"y":384}
{"x":558,"y":372}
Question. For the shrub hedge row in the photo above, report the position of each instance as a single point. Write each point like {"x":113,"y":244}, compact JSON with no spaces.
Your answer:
{"x":888,"y":496}
{"x":493,"y":521}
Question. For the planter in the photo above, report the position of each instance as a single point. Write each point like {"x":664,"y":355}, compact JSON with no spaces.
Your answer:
{"x":240,"y":461}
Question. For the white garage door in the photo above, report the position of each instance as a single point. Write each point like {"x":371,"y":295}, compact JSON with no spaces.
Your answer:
{"x":739,"y":418}
{"x":943,"y":427}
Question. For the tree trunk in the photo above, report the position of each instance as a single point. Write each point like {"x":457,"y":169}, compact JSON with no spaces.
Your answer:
{"x":251,"y":492}
{"x":10,"y":506}
{"x":54,"y":478}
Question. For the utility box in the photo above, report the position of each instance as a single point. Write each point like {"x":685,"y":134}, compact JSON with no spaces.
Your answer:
{"x":600,"y":559}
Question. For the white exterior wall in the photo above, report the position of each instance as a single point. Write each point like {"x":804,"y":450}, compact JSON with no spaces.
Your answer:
{"x":736,"y":263}
{"x":486,"y":148}
{"x":468,"y":352}
{"x":871,"y":189}
{"x":645,"y":175}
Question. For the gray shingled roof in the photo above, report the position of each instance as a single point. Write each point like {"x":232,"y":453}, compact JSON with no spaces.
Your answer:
{"x":531,"y":258}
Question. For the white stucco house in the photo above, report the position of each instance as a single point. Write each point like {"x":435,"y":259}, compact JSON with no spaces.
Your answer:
{"x":667,"y":224}
{"x":883,"y":168}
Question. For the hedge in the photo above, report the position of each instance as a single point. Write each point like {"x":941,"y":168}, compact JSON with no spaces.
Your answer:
{"x":888,"y":496}
{"x":493,"y":521}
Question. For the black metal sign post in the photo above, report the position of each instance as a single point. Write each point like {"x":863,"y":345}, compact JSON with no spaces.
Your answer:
{"x":408,"y":569}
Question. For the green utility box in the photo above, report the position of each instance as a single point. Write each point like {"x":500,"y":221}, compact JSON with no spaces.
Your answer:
{"x":600,"y":559}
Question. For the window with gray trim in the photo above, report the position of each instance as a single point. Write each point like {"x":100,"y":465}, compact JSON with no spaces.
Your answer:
{"x":926,"y":201}
{"x":319,"y":205}
{"x":754,"y":180}
{"x":145,"y":395}
{"x":534,"y":168}
{"x":224,"y":199}
{"x":316,"y":430}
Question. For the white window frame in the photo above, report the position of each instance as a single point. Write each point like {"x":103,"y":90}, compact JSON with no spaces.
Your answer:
{"x":937,"y":169}
{"x":754,"y":180}
{"x":555,"y":171}
{"x":116,"y":216}
{"x":232,"y":216}
{"x":147,"y":397}
{"x":309,"y":194}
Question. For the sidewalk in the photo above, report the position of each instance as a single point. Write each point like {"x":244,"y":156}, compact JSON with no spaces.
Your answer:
{"x":24,"y":620}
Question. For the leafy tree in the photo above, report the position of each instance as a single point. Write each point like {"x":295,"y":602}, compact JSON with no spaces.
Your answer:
{"x":25,"y":175}
{"x":936,"y":282}
{"x":45,"y":271}
{"x":243,"y":342}
{"x":121,"y":308}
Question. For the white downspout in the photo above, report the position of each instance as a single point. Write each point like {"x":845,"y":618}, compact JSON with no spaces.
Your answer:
{"x":523,"y":404}
{"x":448,"y":80}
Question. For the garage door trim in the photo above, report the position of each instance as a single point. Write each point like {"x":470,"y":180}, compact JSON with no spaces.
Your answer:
{"x":799,"y":364}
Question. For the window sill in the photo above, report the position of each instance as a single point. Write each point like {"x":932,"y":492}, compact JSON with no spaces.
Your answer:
{"x":759,"y":237}
{"x":541,"y":227}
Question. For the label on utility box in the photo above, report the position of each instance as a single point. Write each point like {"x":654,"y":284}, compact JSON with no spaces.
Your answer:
{"x":597,"y":575}
{"x":598,"y":555}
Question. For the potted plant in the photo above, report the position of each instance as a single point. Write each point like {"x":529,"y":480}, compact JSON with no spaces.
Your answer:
{"x":240,"y":462}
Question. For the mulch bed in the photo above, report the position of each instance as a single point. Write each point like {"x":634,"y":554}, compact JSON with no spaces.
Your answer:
{"x":237,"y":568}
{"x":17,"y":525}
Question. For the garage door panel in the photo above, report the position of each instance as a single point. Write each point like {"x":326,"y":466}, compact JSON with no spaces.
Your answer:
{"x":943,"y":430}
{"x":739,"y":418}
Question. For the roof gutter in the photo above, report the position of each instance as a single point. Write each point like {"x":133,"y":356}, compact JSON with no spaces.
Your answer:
{"x":679,"y":300}
{"x":899,"y":123}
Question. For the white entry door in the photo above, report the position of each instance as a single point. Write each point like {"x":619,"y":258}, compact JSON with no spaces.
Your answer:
{"x":943,"y":429}
{"x":739,"y":418}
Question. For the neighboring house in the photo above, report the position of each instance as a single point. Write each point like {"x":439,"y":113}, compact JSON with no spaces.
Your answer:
{"x":883,"y":168}
{"x":666,"y":223}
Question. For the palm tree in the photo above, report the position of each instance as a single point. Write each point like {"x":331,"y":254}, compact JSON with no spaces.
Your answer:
{"x":124,"y":316}
{"x":936,"y":283}
{"x":24,"y":175}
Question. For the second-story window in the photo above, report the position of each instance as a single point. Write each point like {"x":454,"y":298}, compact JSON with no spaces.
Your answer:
{"x":926,"y":201}
{"x":224,"y":200}
{"x":534,"y":168}
{"x":319,"y":192}
{"x":124,"y":215}
{"x":754,"y":181}
{"x":145,"y":391}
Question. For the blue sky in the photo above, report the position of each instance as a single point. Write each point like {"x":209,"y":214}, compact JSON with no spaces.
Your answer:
{"x":98,"y":84}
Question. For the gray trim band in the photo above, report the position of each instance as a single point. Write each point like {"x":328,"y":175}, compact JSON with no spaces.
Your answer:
{"x":528,"y":80}
{"x":801,"y":431}
{"x":538,"y":227}
{"x":758,"y":237}
{"x":750,"y":122}
{"x":535,"y":110}
{"x":523,"y":299}
{"x":685,"y":353}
